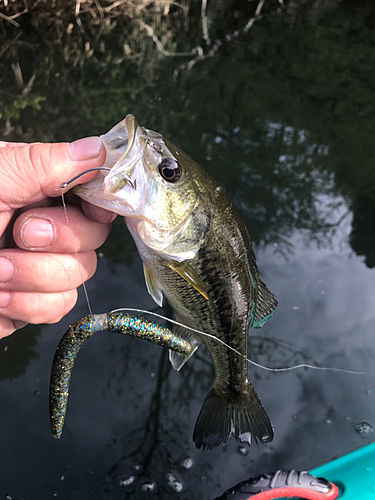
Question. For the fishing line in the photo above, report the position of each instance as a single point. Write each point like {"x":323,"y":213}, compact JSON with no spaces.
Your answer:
{"x":63,"y":185}
{"x":254,"y":363}
{"x":267,"y":368}
{"x":74,"y":246}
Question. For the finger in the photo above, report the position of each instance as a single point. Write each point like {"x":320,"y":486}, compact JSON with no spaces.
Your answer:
{"x":38,"y":308}
{"x":5,"y":144}
{"x":44,"y":272}
{"x":47,"y":229}
{"x":97,"y":214}
{"x":32,"y":172}
{"x":8,"y":326}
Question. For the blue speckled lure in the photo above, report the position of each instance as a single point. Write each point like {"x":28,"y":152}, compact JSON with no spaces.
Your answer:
{"x":77,"y":334}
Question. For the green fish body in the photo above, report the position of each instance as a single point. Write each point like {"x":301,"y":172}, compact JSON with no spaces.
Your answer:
{"x":196,"y":252}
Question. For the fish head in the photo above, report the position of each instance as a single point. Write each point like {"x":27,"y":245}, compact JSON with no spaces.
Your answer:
{"x":155,"y":186}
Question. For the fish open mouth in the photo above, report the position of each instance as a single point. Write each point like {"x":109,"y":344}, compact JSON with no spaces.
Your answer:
{"x":121,"y":139}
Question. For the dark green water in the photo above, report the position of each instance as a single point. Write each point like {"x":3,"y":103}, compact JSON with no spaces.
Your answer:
{"x":282,"y":115}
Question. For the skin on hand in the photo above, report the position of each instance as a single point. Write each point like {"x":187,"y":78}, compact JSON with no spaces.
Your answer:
{"x":39,"y":268}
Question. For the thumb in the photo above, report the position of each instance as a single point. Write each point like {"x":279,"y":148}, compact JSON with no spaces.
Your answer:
{"x":31,"y":172}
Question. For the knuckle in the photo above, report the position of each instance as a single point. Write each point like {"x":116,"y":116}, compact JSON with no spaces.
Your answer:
{"x":89,"y":262}
{"x":40,"y":157}
{"x":6,"y":327}
{"x":53,"y":307}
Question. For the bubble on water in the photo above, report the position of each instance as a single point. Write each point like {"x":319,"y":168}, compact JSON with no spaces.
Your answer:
{"x":127,"y":483}
{"x":186,"y":464}
{"x":174,"y":481}
{"x":243,"y":450}
{"x":6,"y":348}
{"x":8,"y":497}
{"x":364,"y":428}
{"x":137,"y":467}
{"x":62,"y":478}
{"x":149,"y":486}
{"x":152,"y":375}
{"x":295,"y":417}
{"x":329,"y":421}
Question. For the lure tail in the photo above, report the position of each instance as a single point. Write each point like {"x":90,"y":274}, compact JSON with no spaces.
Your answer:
{"x":83,"y":329}
{"x":63,"y":363}
{"x":224,"y":414}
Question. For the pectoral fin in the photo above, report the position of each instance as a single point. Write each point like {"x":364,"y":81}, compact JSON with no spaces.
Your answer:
{"x":188,"y":274}
{"x":178,"y":359}
{"x":152,"y":284}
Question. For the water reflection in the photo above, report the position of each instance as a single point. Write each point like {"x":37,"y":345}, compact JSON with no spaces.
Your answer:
{"x":260,"y":135}
{"x":281,"y":115}
{"x":17,"y":351}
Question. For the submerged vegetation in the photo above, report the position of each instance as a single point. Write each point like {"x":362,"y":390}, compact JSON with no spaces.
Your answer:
{"x":294,"y":126}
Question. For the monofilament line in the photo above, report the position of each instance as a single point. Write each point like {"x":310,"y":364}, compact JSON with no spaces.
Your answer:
{"x":75,"y":249}
{"x":289,"y":368}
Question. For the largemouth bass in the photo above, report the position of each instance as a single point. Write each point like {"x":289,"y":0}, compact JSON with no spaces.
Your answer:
{"x":196,"y":252}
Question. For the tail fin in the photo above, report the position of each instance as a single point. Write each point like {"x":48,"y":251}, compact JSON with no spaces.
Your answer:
{"x":223,"y":414}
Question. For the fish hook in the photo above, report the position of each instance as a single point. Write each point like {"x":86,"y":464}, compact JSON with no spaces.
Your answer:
{"x":64,"y":184}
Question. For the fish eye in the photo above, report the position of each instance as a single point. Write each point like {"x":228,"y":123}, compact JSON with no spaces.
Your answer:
{"x":170,"y":170}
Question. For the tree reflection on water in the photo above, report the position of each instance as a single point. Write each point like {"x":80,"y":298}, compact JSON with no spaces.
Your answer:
{"x":248,"y":107}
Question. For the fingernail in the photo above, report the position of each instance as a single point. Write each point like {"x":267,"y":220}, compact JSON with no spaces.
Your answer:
{"x":7,"y":270}
{"x":37,"y":233}
{"x":4,"y":298}
{"x":85,"y":149}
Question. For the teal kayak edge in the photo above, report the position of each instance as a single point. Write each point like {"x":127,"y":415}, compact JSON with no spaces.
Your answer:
{"x":353,"y":474}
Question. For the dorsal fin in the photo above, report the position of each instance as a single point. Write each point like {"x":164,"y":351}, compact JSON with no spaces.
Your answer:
{"x":264,"y":307}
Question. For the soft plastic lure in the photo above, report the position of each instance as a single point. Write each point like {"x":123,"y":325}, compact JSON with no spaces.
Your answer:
{"x":79,"y":332}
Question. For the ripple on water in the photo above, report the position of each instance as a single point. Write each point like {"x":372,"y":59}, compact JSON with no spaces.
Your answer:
{"x":148,"y":486}
{"x":173,"y":481}
{"x":127,"y":483}
{"x":186,"y":464}
{"x":364,"y":429}
{"x":243,"y":450}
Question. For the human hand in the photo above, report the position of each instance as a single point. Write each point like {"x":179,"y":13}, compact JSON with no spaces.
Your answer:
{"x":39,"y":269}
